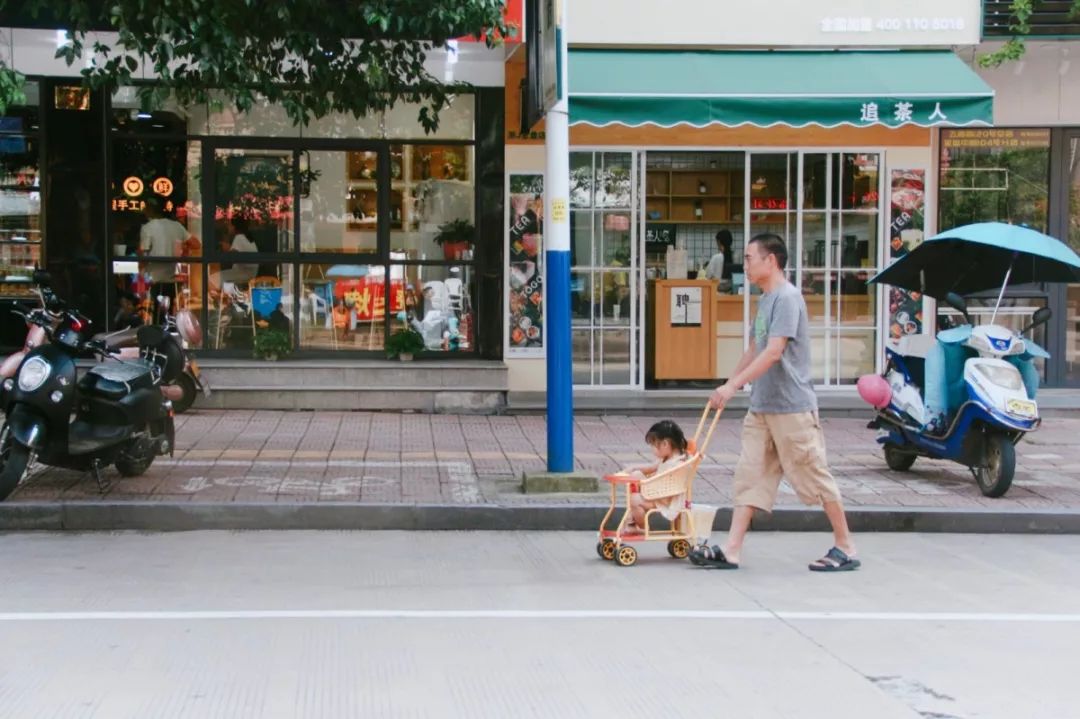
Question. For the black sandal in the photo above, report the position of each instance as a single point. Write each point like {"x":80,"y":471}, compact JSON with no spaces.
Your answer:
{"x":711,"y":558}
{"x":835,"y":561}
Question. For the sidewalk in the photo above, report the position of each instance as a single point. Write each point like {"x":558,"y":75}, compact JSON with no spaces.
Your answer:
{"x":266,"y":457}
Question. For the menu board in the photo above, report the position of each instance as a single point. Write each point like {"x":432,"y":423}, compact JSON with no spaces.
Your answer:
{"x":906,"y":225}
{"x":525,"y":271}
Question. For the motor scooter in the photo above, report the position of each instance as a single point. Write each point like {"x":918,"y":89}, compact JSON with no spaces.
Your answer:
{"x":113,"y":415}
{"x":996,"y":411}
{"x":986,"y":376}
{"x":35,"y":334}
{"x":183,"y":391}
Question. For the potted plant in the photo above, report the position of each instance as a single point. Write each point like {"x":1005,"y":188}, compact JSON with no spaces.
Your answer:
{"x":272,"y":344}
{"x":455,"y":237}
{"x":403,"y":344}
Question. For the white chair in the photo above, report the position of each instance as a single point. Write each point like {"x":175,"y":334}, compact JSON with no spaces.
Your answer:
{"x":454,"y":288}
{"x":320,"y":306}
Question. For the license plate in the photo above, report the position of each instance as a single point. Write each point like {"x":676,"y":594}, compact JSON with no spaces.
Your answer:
{"x":1021,"y":408}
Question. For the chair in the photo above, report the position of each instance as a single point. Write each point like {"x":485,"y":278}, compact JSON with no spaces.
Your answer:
{"x":454,"y":287}
{"x":266,"y":292}
{"x":318,"y":305}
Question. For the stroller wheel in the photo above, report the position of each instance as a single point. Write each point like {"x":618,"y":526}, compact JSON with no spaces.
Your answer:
{"x":606,"y":549}
{"x":679,"y":548}
{"x":625,"y":556}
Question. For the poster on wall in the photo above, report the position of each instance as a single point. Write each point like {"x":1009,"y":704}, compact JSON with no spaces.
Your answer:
{"x":906,"y":227}
{"x":525,"y":271}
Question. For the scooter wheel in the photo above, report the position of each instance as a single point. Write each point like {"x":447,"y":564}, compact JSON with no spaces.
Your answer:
{"x":897,"y":459}
{"x":186,"y":383}
{"x":996,"y":476}
{"x":13,"y":460}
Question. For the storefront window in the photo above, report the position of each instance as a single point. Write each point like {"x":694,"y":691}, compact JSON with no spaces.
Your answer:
{"x":1072,"y":302}
{"x":254,"y":201}
{"x":343,"y":246}
{"x":836,"y":254}
{"x":21,"y":236}
{"x":343,"y":307}
{"x":339,"y":201}
{"x":437,"y":302}
{"x":246,"y":301}
{"x":432,"y":205}
{"x":998,"y":174}
{"x":603,"y":265}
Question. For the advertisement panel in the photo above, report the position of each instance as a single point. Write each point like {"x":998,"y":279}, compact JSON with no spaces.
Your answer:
{"x":525,"y":266}
{"x":778,"y":23}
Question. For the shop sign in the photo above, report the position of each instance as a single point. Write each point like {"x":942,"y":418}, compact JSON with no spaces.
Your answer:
{"x":685,"y":306}
{"x":163,"y":186}
{"x":778,"y":23}
{"x":659,"y":237}
{"x":133,"y":186}
{"x":906,"y":227}
{"x":525,"y":271}
{"x":995,"y":138}
{"x":900,"y":112}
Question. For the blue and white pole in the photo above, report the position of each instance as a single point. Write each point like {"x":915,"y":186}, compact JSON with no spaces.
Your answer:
{"x":560,"y":397}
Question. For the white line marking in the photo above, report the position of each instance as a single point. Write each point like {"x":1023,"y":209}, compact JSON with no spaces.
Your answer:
{"x":949,"y":617}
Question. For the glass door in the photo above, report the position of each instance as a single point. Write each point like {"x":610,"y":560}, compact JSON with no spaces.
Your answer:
{"x":604,"y":275}
{"x":826,"y":206}
{"x":1071,"y":234}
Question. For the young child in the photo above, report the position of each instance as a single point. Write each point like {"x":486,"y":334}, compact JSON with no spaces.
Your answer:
{"x":669,"y":445}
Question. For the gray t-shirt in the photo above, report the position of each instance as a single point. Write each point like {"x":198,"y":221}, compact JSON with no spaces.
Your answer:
{"x":786,"y":388}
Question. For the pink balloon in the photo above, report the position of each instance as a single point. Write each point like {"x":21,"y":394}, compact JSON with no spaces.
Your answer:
{"x":874,"y":390}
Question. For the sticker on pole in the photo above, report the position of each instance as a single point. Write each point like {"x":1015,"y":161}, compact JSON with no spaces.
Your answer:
{"x":558,"y":210}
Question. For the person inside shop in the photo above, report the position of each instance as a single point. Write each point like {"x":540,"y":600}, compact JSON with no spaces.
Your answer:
{"x":279,"y":321}
{"x":127,"y":313}
{"x":161,"y":236}
{"x":234,"y":238}
{"x":719,"y":267}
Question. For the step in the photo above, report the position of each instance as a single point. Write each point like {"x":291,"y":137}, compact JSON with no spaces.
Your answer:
{"x":839,"y":402}
{"x":442,"y":386}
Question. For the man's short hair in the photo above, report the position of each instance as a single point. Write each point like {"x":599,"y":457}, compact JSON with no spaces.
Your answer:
{"x":772,"y":244}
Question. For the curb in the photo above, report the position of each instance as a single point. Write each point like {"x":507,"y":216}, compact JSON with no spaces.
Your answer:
{"x":180,"y":517}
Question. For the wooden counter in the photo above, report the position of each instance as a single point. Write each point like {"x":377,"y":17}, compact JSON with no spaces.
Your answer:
{"x":681,"y":351}
{"x":712,"y":350}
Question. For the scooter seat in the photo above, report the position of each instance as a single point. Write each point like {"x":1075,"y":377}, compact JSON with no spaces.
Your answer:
{"x":115,"y":380}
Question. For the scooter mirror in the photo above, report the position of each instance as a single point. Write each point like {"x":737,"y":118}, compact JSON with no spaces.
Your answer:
{"x":1041,"y":317}
{"x":957,"y":303}
{"x":150,"y":336}
{"x":42,"y":278}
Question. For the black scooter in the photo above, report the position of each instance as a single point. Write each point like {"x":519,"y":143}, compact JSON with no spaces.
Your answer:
{"x":188,"y":383}
{"x":120,"y":416}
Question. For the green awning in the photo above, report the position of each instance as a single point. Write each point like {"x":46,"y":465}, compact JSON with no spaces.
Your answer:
{"x":700,"y":88}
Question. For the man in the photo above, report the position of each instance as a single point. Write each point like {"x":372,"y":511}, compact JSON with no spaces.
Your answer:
{"x":161,"y":237}
{"x":782,"y":435}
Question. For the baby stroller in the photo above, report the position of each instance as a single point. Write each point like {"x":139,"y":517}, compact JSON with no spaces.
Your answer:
{"x":692,"y":522}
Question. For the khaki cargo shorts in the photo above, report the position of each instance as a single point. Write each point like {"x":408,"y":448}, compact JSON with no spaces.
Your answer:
{"x":789,"y":446}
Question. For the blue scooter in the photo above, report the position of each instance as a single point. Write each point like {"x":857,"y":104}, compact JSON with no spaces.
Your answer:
{"x":987,"y":370}
{"x":995,"y":406}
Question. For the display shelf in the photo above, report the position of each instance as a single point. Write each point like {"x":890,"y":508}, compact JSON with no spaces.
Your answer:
{"x":412,"y":168}
{"x":677,"y":195}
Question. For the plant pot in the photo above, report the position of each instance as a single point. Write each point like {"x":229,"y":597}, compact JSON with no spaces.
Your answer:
{"x":405,"y":356}
{"x":454,"y":250}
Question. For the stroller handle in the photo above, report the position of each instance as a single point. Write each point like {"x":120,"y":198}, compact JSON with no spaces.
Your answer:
{"x":701,"y":426}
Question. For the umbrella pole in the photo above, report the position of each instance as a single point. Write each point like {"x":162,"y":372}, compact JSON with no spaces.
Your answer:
{"x":1001,"y":294}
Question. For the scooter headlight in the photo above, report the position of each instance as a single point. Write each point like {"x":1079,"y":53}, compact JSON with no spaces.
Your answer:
{"x":33,"y":374}
{"x":1007,"y":377}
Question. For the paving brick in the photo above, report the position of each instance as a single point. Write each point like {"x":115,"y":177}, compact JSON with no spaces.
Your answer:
{"x":269,"y":456}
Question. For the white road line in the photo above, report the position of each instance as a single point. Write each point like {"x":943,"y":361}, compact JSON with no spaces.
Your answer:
{"x":938,"y":617}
